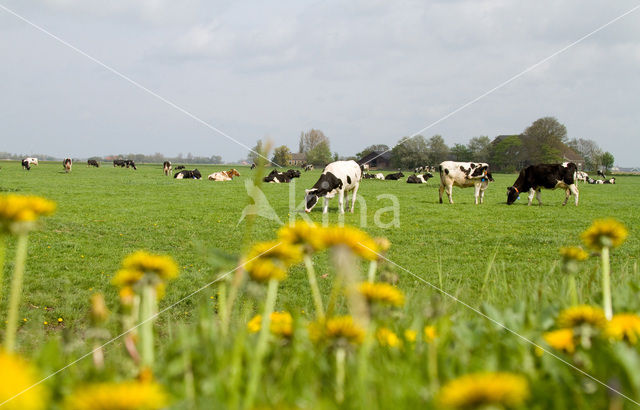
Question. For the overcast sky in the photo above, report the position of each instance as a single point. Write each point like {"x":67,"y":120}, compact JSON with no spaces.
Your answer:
{"x":363,"y":72}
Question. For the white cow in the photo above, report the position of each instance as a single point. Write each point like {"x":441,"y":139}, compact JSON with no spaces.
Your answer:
{"x":31,"y":160}
{"x":336,"y":178}
{"x":582,"y":176}
{"x":464,"y":175}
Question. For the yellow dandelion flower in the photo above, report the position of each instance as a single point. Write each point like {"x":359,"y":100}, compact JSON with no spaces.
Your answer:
{"x":60,"y":320}
{"x":271,"y":260}
{"x":339,"y":328}
{"x":387,"y":337}
{"x":17,"y":376}
{"x":604,"y":232}
{"x":281,"y":324}
{"x":430,"y":333}
{"x":358,"y":241}
{"x":302,"y":233}
{"x":583,"y":314}
{"x":99,"y":312}
{"x":624,"y":326}
{"x":127,"y":295}
{"x":383,"y":243}
{"x":561,"y":339}
{"x":575,"y":253}
{"x":382,"y":293}
{"x":163,"y":266}
{"x":18,"y":212}
{"x":122,"y":396}
{"x":484,"y":389}
{"x":410,"y":335}
{"x":127,"y":277}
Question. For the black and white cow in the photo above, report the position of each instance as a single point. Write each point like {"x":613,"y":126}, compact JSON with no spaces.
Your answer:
{"x":601,"y":181}
{"x":337,"y":178}
{"x":253,"y":165}
{"x":601,"y":173}
{"x":276,"y":177}
{"x":550,"y":176}
{"x":66,"y":164}
{"x":119,"y":163}
{"x":93,"y":163}
{"x":26,"y":165}
{"x":308,"y":167}
{"x":394,"y":177}
{"x":582,"y":176}
{"x":419,"y":179}
{"x":179,"y":167}
{"x":130,"y":163}
{"x":609,"y":181}
{"x":166,"y":168}
{"x":187,"y":174}
{"x":31,"y":160}
{"x":368,"y":176}
{"x":464,"y":175}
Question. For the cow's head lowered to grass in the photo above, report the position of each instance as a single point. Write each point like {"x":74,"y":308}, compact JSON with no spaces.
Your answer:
{"x":325,"y":187}
{"x":512,"y":195}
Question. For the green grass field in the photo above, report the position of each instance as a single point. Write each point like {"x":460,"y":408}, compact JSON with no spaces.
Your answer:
{"x":104,"y":214}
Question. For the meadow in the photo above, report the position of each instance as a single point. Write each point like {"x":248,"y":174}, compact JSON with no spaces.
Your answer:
{"x":502,"y":260}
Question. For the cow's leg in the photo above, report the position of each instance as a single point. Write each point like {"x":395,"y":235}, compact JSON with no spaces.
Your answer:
{"x":539,"y":196}
{"x":482,"y":195}
{"x":325,"y":205}
{"x":532,"y":192}
{"x":440,"y":191}
{"x":476,"y":192}
{"x":341,"y":201}
{"x":353,"y":198}
{"x":574,"y":190}
{"x":449,"y":189}
{"x":567,"y":194}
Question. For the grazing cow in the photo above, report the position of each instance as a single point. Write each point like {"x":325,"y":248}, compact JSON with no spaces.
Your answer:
{"x":25,"y":165}
{"x":119,"y":163}
{"x":394,"y":177}
{"x":131,"y":164}
{"x":464,"y":175}
{"x":419,"y":179}
{"x":179,"y":167}
{"x":166,"y":168}
{"x":337,"y":177}
{"x":380,"y":176}
{"x":224,"y":175}
{"x":253,"y":165}
{"x":582,"y":176}
{"x":550,"y":176}
{"x":418,"y":170}
{"x":308,"y":167}
{"x":600,"y":173}
{"x":187,"y":174}
{"x":66,"y":164}
{"x":93,"y":163}
{"x":31,"y":160}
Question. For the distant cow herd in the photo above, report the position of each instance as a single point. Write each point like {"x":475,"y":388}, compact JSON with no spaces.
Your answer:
{"x":342,"y":177}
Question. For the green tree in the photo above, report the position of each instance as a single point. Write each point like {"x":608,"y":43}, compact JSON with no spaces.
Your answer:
{"x":461,"y":152}
{"x":311,"y":139}
{"x":253,"y":156}
{"x":507,"y":153}
{"x":410,"y":152}
{"x":438,"y":150}
{"x":589,"y":150}
{"x":544,"y":140}
{"x":320,"y":154}
{"x":371,"y":148}
{"x":281,"y":156}
{"x":607,"y":160}
{"x":480,"y":148}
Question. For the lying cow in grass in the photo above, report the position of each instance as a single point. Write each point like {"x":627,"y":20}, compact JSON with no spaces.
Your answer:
{"x":394,"y":177}
{"x":419,"y":179}
{"x":336,"y":178}
{"x":187,"y":174}
{"x":224,"y":175}
{"x":550,"y":176}
{"x":277,"y":177}
{"x":464,"y":175}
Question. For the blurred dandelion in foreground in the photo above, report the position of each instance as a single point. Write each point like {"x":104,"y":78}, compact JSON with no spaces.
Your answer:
{"x":430,"y":333}
{"x":574,"y":253}
{"x":382,"y":293}
{"x":122,"y":396}
{"x":478,"y":390}
{"x":307,"y":235}
{"x":581,"y":315}
{"x":561,"y":339}
{"x":410,"y":335}
{"x":19,"y":212}
{"x":18,"y":384}
{"x":271,"y":260}
{"x":624,"y":326}
{"x":356,"y":240}
{"x":604,"y":233}
{"x":386,"y":337}
{"x":337,"y":329}
{"x":281,"y":324}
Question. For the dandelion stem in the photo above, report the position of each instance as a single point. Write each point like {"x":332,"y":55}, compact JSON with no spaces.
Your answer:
{"x":373,"y":266}
{"x":606,"y":284}
{"x":148,"y":308}
{"x":340,"y":374}
{"x":16,"y":293}
{"x":3,"y":251}
{"x":315,"y":291}
{"x":573,"y":291}
{"x":255,"y":369}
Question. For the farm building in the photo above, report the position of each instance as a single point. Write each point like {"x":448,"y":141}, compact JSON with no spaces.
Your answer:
{"x":298,"y":159}
{"x":377,"y":160}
